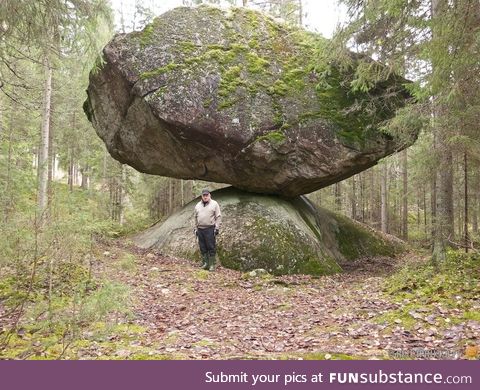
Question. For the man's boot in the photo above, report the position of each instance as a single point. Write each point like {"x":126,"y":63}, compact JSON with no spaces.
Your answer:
{"x":212,"y":261}
{"x":205,"y":261}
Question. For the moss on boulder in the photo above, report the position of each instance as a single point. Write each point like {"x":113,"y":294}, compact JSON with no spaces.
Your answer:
{"x":235,"y":97}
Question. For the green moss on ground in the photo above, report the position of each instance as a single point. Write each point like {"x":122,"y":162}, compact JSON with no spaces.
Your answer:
{"x":455,"y":286}
{"x":126,"y":262}
{"x":400,"y":317}
{"x":426,"y":283}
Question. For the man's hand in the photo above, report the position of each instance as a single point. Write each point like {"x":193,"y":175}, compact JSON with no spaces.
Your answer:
{"x":216,"y":232}
{"x":195,"y":231}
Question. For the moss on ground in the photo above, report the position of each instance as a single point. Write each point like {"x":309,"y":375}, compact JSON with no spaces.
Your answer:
{"x":455,"y":285}
{"x":458,"y":275}
{"x":126,"y":262}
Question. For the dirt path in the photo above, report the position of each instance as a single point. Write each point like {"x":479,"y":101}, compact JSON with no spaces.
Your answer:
{"x":194,"y":314}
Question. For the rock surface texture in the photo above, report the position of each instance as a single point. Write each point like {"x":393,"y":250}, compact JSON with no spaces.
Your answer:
{"x":282,"y":236}
{"x":234,"y":97}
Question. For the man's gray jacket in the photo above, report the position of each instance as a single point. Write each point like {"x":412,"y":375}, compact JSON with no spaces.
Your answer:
{"x":207,"y":215}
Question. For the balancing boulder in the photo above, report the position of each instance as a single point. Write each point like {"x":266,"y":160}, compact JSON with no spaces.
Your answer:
{"x":236,"y":97}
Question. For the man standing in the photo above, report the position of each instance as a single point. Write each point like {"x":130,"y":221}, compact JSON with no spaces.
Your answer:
{"x":208,"y":220}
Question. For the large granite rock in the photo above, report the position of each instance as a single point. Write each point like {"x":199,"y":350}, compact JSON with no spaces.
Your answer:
{"x":234,"y":97}
{"x":282,"y":236}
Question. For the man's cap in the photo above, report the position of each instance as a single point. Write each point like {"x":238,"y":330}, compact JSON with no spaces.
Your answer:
{"x":205,"y":191}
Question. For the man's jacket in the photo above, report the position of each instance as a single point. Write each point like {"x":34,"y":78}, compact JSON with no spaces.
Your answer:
{"x":207,"y":215}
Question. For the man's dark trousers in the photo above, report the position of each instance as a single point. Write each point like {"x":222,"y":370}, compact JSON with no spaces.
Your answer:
{"x":206,"y":241}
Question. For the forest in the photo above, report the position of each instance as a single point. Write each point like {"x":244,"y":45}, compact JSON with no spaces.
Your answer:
{"x":73,"y":284}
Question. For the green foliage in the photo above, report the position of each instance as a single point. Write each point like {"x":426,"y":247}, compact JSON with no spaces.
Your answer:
{"x":49,"y":274}
{"x":49,"y":270}
{"x":57,"y":321}
{"x":439,"y":50}
{"x":127,"y":262}
{"x":427,"y":284}
{"x":423,"y":288}
{"x":367,"y":74}
{"x":202,"y":274}
{"x":110,"y":299}
{"x":405,"y":118}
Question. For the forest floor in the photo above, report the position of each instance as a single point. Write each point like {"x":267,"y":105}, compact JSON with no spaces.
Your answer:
{"x":179,"y":311}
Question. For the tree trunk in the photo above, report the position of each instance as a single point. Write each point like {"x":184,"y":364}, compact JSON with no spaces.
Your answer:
{"x":353,"y":199}
{"x":393,"y":208}
{"x":111,"y":191}
{"x":362,"y":194}
{"x":70,"y":170}
{"x":465,"y":193}
{"x":1,"y":118}
{"x":404,"y":196}
{"x":300,"y":13}
{"x":425,"y":209}
{"x":122,"y":195}
{"x":189,"y":193}
{"x":54,"y":163}
{"x":433,"y":204}
{"x":8,"y":195}
{"x":371,"y":215}
{"x":338,"y":197}
{"x":170,"y":195}
{"x":418,"y":210}
{"x":384,"y":199}
{"x":51,"y":155}
{"x":43,"y":155}
{"x":104,"y":168}
{"x":475,"y":207}
{"x":182,"y":195}
{"x":84,"y":173}
{"x":444,"y":226}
